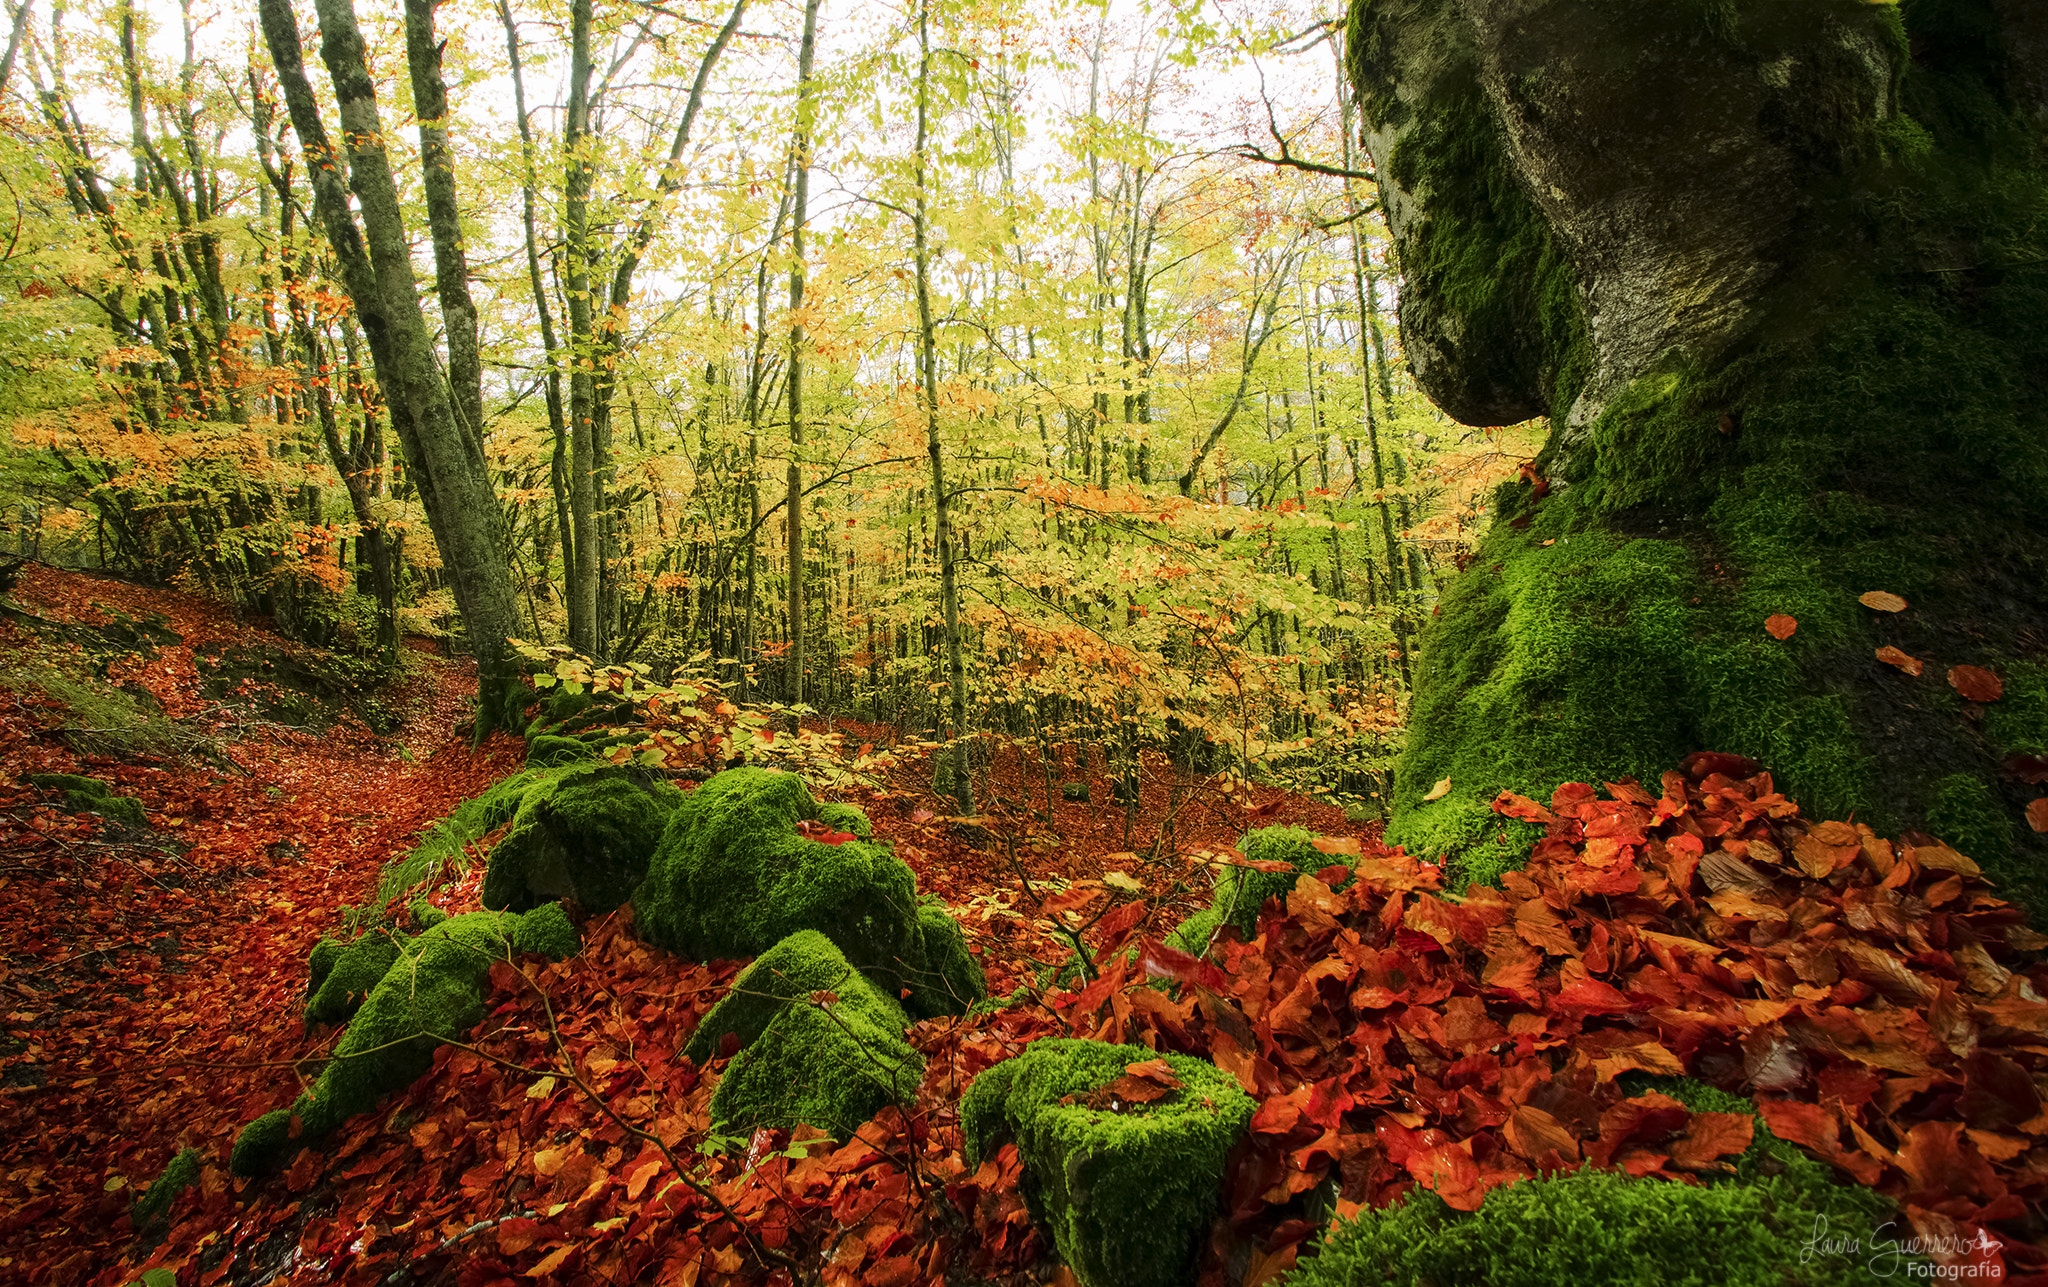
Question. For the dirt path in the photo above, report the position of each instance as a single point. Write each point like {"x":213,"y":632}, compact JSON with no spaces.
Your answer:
{"x":150,"y":980}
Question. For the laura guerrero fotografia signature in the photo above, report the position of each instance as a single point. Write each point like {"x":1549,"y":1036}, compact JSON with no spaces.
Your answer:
{"x":1889,"y":1256}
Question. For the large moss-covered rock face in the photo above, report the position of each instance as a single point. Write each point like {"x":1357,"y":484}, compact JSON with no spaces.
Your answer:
{"x":585,"y":832}
{"x":1778,"y":272}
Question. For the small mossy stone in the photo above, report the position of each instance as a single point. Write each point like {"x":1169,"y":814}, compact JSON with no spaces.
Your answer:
{"x":432,"y":992}
{"x":70,"y":782}
{"x":1595,"y":1228}
{"x":943,"y":978}
{"x":345,"y":973}
{"x":586,"y":832}
{"x":816,"y":1042}
{"x":828,"y":1064}
{"x":181,"y":1174}
{"x":1074,"y":791}
{"x":1129,"y":1194}
{"x":1241,"y":891}
{"x":119,"y":808}
{"x":549,"y":750}
{"x":848,"y":818}
{"x":547,"y":931}
{"x":733,"y":876}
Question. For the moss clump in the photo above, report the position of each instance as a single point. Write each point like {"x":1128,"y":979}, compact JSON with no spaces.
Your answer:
{"x":1968,"y":814}
{"x":1601,"y":1228}
{"x":1074,"y":791}
{"x":1242,"y":891}
{"x":90,"y":795}
{"x":848,"y":818}
{"x":550,"y":750}
{"x":2018,"y":721}
{"x":183,"y":1172}
{"x":584,"y":832}
{"x":345,"y":973}
{"x":445,"y":849}
{"x":432,"y":993}
{"x":818,"y":1043}
{"x":942,"y":977}
{"x":1128,"y":1191}
{"x":732,"y":877}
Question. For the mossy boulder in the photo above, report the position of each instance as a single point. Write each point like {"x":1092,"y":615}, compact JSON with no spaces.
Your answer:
{"x":942,"y":977}
{"x":344,"y":973}
{"x":1605,"y":1229}
{"x":90,"y":795}
{"x":432,"y":993}
{"x":817,"y":1043}
{"x":1074,"y":791}
{"x":733,"y":876}
{"x":549,"y":750}
{"x":1242,"y":891}
{"x":155,"y":1205}
{"x":1128,"y":1189}
{"x":584,"y":832}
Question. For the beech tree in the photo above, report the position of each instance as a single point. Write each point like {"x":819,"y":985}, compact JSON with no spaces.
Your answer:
{"x":1777,"y":274}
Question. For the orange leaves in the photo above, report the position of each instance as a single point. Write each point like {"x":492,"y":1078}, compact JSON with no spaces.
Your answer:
{"x":1881,"y":601}
{"x":1975,"y":683}
{"x":2037,"y":814}
{"x":1781,"y":626}
{"x":1891,"y":656}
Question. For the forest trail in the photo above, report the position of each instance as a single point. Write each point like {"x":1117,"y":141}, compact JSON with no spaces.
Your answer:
{"x":153,"y":978}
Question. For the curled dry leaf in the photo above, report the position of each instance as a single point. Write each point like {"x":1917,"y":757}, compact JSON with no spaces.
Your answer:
{"x":1891,"y":656}
{"x":1881,"y":601}
{"x":1975,"y":683}
{"x":1439,"y":791}
{"x":1780,"y":625}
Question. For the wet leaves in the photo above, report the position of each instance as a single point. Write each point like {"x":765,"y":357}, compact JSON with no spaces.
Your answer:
{"x":1881,"y":601}
{"x":1891,"y":656}
{"x":1781,"y":626}
{"x":1975,"y":683}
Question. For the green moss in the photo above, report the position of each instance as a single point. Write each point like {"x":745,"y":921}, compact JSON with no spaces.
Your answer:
{"x":445,"y":850}
{"x":1970,"y":817}
{"x":345,"y":973}
{"x":1074,"y":791}
{"x":585,"y":832}
{"x":1601,"y":1229}
{"x":818,"y":1043}
{"x":549,"y":750}
{"x":2018,"y":721}
{"x":432,"y":993}
{"x":848,"y":818}
{"x":183,"y":1172}
{"x":1129,"y":1193}
{"x":1241,"y":891}
{"x":90,"y":795}
{"x":941,"y":977}
{"x":70,"y":783}
{"x":732,"y":877}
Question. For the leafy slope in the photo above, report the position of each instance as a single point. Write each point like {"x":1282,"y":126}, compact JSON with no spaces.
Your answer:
{"x":1880,"y":1003}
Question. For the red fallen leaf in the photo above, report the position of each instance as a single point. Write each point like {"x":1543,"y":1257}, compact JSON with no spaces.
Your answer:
{"x":1814,"y":1127}
{"x":1117,"y":926}
{"x":517,"y":1234}
{"x":1711,"y":1136}
{"x":1891,"y":656}
{"x":1069,"y":899}
{"x":1781,"y":626}
{"x":1701,"y":765}
{"x":1975,"y":683}
{"x":1158,"y":961}
{"x":922,"y":816}
{"x":1537,"y":1135}
{"x":1449,"y":1171}
{"x":1938,"y":1160}
{"x":1510,"y":805}
{"x":2030,"y":769}
{"x":1997,"y":1093}
{"x":1265,"y":810}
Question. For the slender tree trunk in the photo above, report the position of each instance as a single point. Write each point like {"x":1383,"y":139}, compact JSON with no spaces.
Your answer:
{"x":800,"y":160}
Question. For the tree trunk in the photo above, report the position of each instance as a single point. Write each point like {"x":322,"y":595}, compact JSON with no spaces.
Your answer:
{"x":1778,"y":274}
{"x":800,"y":161}
{"x":444,"y":462}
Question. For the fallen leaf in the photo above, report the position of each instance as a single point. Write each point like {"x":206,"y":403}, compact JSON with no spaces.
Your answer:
{"x":1119,"y":880}
{"x":1891,"y":656}
{"x":1781,"y":626}
{"x":1975,"y":683}
{"x":1439,"y":791}
{"x":2037,"y":814}
{"x":1881,"y":601}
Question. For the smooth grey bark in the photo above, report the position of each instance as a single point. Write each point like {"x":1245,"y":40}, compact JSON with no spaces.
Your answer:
{"x":444,"y":217}
{"x":800,"y":161}
{"x":445,"y":463}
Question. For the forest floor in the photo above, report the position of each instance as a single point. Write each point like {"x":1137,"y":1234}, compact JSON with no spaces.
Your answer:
{"x":152,"y":978}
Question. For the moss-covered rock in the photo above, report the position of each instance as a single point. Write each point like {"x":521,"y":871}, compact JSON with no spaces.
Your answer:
{"x":549,"y":750}
{"x":182,"y":1173}
{"x":344,"y":973}
{"x":848,"y":818}
{"x":432,"y":993}
{"x":1128,"y":1190}
{"x":585,"y":832}
{"x":1603,"y":1229}
{"x":817,"y":1043}
{"x":90,"y":795}
{"x":1242,"y":891}
{"x":1074,"y":791}
{"x":733,"y":876}
{"x":943,"y":977}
